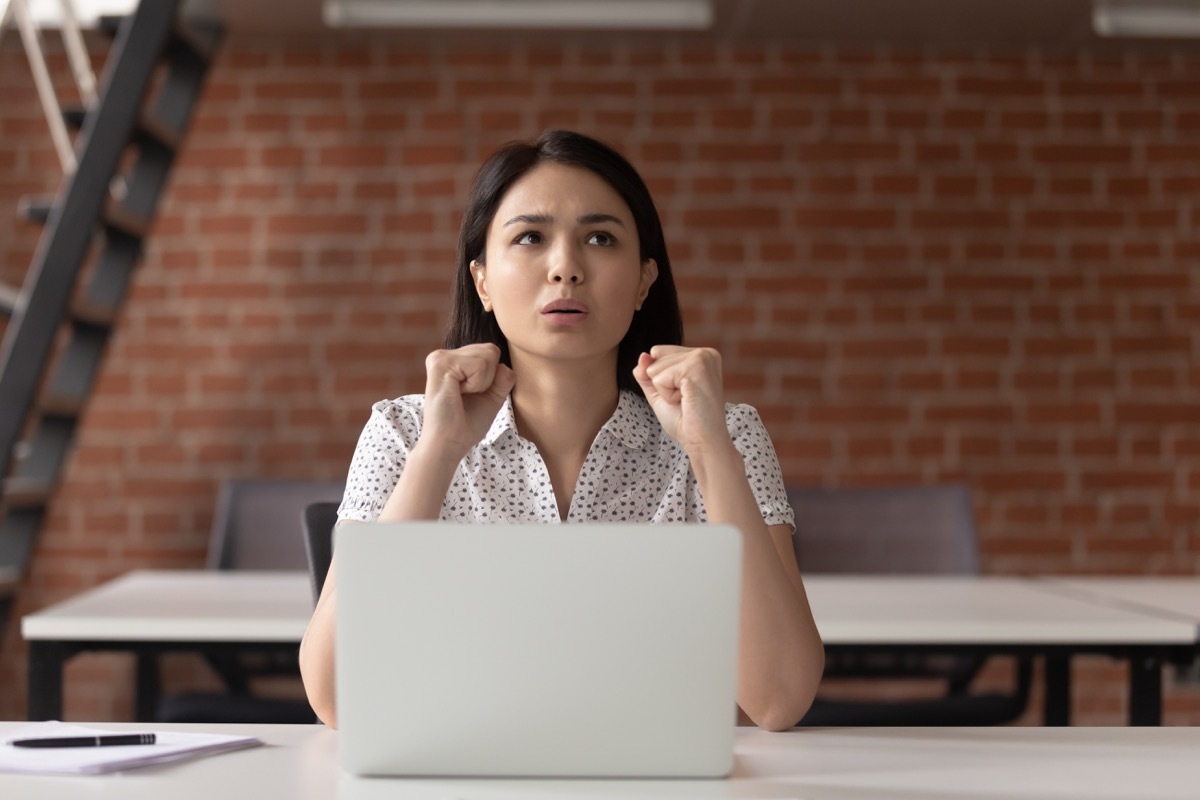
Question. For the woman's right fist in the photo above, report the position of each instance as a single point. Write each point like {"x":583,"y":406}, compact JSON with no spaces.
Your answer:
{"x":464,"y":389}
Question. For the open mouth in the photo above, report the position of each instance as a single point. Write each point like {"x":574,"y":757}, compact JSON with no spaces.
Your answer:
{"x":565,"y":308}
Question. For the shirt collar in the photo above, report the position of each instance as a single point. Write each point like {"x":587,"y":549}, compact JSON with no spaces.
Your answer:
{"x":505,"y":421}
{"x":630,"y":424}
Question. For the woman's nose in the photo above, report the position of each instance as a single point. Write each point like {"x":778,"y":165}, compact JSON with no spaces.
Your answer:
{"x":566,"y":267}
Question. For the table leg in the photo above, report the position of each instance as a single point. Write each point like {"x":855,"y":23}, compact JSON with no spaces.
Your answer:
{"x":1058,"y":690}
{"x":146,"y":700}
{"x":1145,"y":691}
{"x":44,"y":696}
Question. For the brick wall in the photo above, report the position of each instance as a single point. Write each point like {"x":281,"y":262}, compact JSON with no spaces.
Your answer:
{"x":920,"y":266}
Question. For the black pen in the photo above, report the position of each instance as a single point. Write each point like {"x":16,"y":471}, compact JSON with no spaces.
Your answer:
{"x":87,"y":741}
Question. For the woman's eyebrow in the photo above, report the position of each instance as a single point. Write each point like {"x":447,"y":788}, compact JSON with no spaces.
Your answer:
{"x":530,"y":219}
{"x":546,"y":219}
{"x":593,"y":219}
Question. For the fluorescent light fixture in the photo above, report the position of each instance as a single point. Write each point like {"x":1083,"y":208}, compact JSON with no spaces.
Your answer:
{"x":1150,"y":18}
{"x":48,"y":13}
{"x":562,"y":14}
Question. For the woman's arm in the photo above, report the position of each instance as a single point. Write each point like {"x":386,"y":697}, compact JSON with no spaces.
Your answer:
{"x":417,"y":496}
{"x":464,"y":390}
{"x":780,"y":655}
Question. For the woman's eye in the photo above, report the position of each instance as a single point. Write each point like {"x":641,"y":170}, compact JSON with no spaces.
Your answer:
{"x":602,"y":239}
{"x":529,"y":237}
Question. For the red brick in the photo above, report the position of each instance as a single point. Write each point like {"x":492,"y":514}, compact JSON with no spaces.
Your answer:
{"x":732,"y":218}
{"x":849,"y":217}
{"x":297,"y":90}
{"x":960,"y":219}
{"x":994,"y":88}
{"x":316,"y":224}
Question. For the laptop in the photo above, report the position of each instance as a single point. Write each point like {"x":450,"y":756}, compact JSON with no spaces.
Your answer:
{"x":591,"y":650}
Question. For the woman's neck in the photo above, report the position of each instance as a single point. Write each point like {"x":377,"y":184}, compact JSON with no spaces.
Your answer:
{"x":562,"y":409}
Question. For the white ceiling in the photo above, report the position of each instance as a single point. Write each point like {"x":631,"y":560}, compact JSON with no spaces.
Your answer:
{"x":1057,"y":23}
{"x":964,"y":23}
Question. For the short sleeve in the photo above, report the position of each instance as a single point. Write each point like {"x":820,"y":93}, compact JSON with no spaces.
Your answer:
{"x":379,"y":458}
{"x":751,"y":439}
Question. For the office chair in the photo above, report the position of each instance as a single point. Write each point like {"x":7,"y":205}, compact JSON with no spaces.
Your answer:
{"x":914,"y":530}
{"x":258,"y":525}
{"x":319,"y":521}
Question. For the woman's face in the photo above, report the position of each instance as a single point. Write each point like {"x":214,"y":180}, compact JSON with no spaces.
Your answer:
{"x":562,"y":270}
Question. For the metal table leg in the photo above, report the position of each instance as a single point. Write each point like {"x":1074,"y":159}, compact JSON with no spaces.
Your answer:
{"x":146,"y":699}
{"x":1058,"y":690}
{"x":1145,"y":690}
{"x":46,"y":661}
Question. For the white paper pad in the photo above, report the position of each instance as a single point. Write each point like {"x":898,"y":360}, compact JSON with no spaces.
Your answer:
{"x":168,"y":747}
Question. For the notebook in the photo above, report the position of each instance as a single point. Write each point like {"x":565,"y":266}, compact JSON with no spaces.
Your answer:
{"x":170,"y":746}
{"x":597,"y":650}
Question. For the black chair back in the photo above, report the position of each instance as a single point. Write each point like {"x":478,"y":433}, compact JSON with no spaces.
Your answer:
{"x":319,"y":521}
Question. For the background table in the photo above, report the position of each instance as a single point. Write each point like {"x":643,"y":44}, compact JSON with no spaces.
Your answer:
{"x":1165,"y":596}
{"x":1001,"y":615}
{"x":300,"y":763}
{"x":151,"y":612}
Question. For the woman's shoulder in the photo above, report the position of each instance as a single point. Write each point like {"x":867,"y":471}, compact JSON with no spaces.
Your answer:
{"x":402,"y":412}
{"x":400,"y":404}
{"x":742,"y":418}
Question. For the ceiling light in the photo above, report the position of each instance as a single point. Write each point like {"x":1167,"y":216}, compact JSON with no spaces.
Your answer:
{"x":1152,"y":18}
{"x":626,"y":14}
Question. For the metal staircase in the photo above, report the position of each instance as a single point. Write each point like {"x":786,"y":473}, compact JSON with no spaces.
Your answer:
{"x":93,"y":234}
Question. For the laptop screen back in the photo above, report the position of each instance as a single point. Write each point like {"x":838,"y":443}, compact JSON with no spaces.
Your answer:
{"x":537,"y":650}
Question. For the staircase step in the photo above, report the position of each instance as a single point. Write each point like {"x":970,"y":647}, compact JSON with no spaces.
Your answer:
{"x":37,"y":209}
{"x":10,"y":577}
{"x":34,"y":209}
{"x":127,"y":222}
{"x":200,"y":37}
{"x":197,"y":36}
{"x":10,"y":299}
{"x":20,"y":492}
{"x":61,"y":406}
{"x":94,"y":314}
{"x":156,"y":130}
{"x":160,"y":132}
{"x":74,"y":116}
{"x":109,"y":24}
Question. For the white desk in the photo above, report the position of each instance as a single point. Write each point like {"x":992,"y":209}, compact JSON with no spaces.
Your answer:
{"x":977,"y":610}
{"x":150,"y":612}
{"x":299,"y":762}
{"x":1169,"y":597}
{"x":994,"y":615}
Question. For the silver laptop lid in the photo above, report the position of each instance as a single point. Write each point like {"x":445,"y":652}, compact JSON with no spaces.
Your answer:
{"x":537,"y":650}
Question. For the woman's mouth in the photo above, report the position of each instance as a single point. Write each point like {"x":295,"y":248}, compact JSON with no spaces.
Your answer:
{"x":565,"y":312}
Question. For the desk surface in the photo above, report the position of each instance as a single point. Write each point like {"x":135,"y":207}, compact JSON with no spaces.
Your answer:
{"x":181,"y":605}
{"x":209,"y":605}
{"x":1168,"y":597}
{"x":299,"y":762}
{"x":884,"y":609}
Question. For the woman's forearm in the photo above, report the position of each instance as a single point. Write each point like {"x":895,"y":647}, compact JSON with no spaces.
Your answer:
{"x":317,"y":648}
{"x":780,"y":655}
{"x":417,"y":496}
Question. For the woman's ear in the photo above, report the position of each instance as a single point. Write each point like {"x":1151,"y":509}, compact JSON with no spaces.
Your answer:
{"x":649,"y":275}
{"x":479,"y":275}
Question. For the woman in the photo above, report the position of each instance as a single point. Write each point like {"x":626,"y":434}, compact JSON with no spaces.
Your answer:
{"x":564,"y":394}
